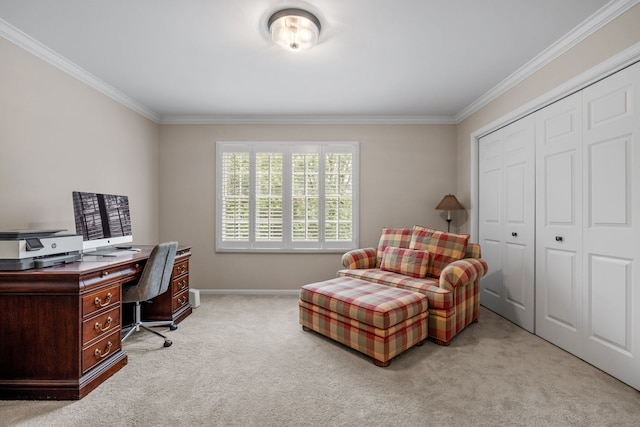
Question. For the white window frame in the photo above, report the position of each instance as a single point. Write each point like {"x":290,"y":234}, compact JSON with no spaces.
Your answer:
{"x":287,"y":244}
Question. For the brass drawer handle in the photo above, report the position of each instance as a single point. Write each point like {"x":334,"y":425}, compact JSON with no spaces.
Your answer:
{"x":107,"y":300}
{"x":183,"y":300}
{"x":181,"y":269}
{"x":183,"y":284}
{"x":105,"y":273}
{"x":98,"y":352}
{"x":107,"y":325}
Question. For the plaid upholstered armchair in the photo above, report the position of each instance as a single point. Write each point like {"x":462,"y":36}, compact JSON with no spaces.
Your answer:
{"x":443,"y":266}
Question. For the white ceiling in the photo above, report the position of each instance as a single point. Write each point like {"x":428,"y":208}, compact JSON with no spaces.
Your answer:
{"x":208,"y":60}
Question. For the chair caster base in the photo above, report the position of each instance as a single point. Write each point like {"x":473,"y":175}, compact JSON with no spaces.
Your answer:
{"x":167,"y":343}
{"x":173,"y":327}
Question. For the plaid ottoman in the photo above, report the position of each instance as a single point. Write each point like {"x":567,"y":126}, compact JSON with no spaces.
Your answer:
{"x":377,"y":320}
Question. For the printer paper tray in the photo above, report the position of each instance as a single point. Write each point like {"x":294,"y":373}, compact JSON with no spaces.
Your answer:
{"x":29,"y":263}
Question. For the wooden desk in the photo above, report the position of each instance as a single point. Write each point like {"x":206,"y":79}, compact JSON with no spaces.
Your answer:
{"x":60,"y":327}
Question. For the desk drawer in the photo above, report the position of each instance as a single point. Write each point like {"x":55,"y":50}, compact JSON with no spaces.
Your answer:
{"x":103,"y":299}
{"x":128,"y":271}
{"x":101,"y":350}
{"x":181,"y":268}
{"x":100,"y":325}
{"x":180,"y":300}
{"x":179,"y":285}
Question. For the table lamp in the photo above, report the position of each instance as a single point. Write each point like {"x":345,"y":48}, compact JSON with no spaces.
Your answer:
{"x":449,"y":203}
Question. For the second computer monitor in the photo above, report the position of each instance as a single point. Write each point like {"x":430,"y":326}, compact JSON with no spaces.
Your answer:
{"x":102,"y":219}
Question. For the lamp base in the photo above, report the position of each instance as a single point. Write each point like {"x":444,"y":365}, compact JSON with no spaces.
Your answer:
{"x":448,"y":225}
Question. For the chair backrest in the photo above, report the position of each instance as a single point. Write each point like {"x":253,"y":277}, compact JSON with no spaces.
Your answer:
{"x":156,"y":274}
{"x":473,"y":251}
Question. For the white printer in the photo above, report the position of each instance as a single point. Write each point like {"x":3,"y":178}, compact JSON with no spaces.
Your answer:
{"x":26,"y":249}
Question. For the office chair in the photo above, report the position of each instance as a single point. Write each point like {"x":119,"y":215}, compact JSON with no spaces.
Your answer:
{"x":153,"y":282}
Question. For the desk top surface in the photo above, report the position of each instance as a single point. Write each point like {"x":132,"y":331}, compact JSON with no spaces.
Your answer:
{"x":88,"y":263}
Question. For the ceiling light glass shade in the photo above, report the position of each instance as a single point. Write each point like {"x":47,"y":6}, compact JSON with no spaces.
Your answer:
{"x":294,"y":29}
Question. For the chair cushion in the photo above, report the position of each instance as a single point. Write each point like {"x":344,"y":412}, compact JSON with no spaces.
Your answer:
{"x":444,"y":248}
{"x":438,"y":297}
{"x":405,"y":261}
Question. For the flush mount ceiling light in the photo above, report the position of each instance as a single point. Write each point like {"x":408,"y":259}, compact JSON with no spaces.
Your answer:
{"x":294,"y":29}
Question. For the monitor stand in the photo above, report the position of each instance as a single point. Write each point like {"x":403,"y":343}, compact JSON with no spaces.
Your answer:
{"x":110,"y":251}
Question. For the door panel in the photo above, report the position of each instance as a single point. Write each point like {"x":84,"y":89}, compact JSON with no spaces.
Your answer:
{"x":519,"y":224}
{"x":559,"y":223}
{"x":515,"y":186}
{"x":609,"y":182}
{"x":561,"y":172}
{"x":611,"y":236}
{"x":506,"y":216}
{"x":492,"y":254}
{"x":491,"y":201}
{"x":491,"y":219}
{"x":515,"y":279}
{"x":609,"y":292}
{"x":560,"y":305}
{"x":609,"y":106}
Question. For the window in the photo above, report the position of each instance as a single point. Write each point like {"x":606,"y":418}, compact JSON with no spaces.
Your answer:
{"x":287,"y":196}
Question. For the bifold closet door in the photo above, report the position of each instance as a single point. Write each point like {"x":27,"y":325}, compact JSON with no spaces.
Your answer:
{"x":559,"y":223}
{"x":611,"y":237}
{"x":506,"y":221}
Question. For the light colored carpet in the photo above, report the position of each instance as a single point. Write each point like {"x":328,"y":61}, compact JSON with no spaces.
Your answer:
{"x":245,"y":361}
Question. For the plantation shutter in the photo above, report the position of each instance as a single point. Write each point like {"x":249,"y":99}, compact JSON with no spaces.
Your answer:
{"x":286,"y":196}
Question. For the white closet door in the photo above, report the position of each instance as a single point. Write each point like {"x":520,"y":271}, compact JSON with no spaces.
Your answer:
{"x":506,"y":215}
{"x":491,"y":221}
{"x":611,"y":174}
{"x":559,"y":223}
{"x":490,"y":218}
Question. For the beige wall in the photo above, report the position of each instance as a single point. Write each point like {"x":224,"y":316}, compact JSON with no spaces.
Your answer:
{"x":404,"y":172}
{"x":58,"y":135}
{"x":613,"y":38}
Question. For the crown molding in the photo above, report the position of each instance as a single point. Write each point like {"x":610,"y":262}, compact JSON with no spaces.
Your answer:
{"x":596,"y":21}
{"x":306,"y":120}
{"x":36,"y":48}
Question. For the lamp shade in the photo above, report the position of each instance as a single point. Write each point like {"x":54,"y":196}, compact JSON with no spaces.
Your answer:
{"x":294,"y":29}
{"x":449,"y":203}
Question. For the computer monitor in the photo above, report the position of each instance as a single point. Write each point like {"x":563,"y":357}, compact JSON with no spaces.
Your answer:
{"x":102,"y":219}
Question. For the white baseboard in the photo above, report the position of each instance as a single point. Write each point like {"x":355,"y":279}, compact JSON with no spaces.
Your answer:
{"x":289,"y":292}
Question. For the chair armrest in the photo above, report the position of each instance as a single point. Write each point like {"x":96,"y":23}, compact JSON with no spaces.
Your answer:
{"x":462,"y":272}
{"x":360,"y":258}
